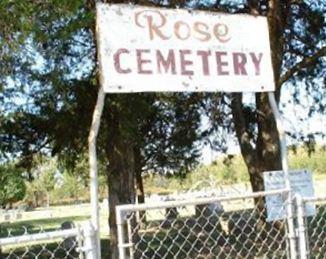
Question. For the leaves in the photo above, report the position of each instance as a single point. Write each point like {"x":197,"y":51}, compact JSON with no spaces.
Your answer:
{"x":12,"y":184}
{"x":57,"y":77}
{"x":48,"y":83}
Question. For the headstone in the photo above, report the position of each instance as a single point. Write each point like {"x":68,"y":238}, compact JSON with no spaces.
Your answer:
{"x":19,"y":215}
{"x":70,"y":242}
{"x":7,"y":217}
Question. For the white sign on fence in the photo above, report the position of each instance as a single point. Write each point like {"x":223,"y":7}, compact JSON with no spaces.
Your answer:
{"x":300,"y":182}
{"x":145,"y":49}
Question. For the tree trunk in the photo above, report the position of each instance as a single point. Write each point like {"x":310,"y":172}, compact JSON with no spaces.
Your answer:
{"x":260,"y":148}
{"x":262,"y":153}
{"x":36,"y":200}
{"x":121,"y":181}
{"x":248,"y":150}
{"x":139,"y":185}
{"x":138,"y":175}
{"x":48,"y":199}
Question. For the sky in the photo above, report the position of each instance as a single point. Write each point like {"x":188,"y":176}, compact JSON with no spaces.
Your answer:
{"x":295,"y":118}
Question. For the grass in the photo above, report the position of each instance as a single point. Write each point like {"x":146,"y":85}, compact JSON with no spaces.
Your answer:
{"x":49,"y":219}
{"x":33,"y":222}
{"x":36,"y":226}
{"x":202,"y":237}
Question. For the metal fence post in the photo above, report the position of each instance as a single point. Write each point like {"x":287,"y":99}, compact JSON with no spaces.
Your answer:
{"x":291,"y":227}
{"x":120,"y":229}
{"x":129,"y":229}
{"x":285,"y":168}
{"x":79,"y":239}
{"x":95,"y":214}
{"x":301,"y":228}
{"x":89,"y":241}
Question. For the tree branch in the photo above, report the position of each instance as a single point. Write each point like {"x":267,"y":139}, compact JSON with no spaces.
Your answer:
{"x":253,"y":7}
{"x":308,"y":61}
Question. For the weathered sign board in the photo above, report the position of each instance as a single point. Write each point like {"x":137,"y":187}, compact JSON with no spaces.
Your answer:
{"x":300,"y":182}
{"x":145,"y":49}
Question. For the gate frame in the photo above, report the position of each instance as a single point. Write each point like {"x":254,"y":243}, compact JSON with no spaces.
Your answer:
{"x":84,"y":234}
{"x":123,"y":210}
{"x":302,"y":230}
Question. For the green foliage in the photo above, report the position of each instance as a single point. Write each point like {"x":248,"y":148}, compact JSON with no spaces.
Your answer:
{"x":46,"y":174}
{"x":71,"y":187}
{"x":55,"y":73}
{"x":231,"y":170}
{"x":43,"y":174}
{"x":12,"y":184}
{"x":314,"y":161}
{"x":33,"y":195}
{"x":227,"y":170}
{"x":224,"y":171}
{"x":48,"y":63}
{"x":58,"y":183}
{"x":60,"y":93}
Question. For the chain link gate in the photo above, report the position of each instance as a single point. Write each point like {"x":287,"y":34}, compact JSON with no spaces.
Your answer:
{"x":25,"y":243}
{"x":312,"y":228}
{"x":213,"y":227}
{"x":222,"y":227}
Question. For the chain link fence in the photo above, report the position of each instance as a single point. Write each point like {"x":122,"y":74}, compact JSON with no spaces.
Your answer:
{"x":24,"y":242}
{"x":211,"y":227}
{"x":314,"y":227}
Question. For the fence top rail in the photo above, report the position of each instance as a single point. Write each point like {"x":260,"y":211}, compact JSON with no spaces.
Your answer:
{"x":194,"y":201}
{"x":29,"y":238}
{"x":314,"y":199}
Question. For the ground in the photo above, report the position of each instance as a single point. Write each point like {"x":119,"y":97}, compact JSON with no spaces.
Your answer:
{"x":47,"y":219}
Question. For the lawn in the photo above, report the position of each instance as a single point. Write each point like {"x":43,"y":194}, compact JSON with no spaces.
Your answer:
{"x":49,"y":219}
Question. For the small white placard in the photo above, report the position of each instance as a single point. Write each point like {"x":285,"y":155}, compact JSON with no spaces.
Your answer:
{"x":300,"y":182}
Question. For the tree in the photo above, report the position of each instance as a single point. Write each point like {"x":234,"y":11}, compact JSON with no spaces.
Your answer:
{"x":296,"y":29}
{"x":12,"y":185}
{"x":63,"y":94}
{"x":71,"y":186}
{"x":63,"y":89}
{"x":44,"y":174}
{"x":42,"y":179}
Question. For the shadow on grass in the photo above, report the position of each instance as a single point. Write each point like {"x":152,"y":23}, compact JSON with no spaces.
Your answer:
{"x":105,"y":248}
{"x":51,"y":250}
{"x":41,"y":251}
{"x":58,"y":249}
{"x":204,"y":237}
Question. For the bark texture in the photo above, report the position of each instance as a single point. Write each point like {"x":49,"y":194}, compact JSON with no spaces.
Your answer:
{"x":138,"y":176}
{"x":121,"y":183}
{"x":261,"y":149}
